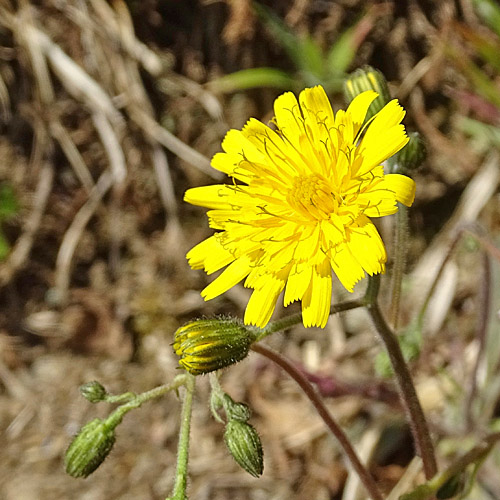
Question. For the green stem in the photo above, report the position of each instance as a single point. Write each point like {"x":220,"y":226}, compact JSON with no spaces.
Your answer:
{"x":216,"y":397}
{"x":183,"y":446}
{"x":295,"y":319}
{"x":400,"y":247}
{"x":407,"y":392}
{"x":336,"y":430}
{"x":136,"y":400}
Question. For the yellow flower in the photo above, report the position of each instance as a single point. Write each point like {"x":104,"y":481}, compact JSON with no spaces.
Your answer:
{"x":300,"y":203}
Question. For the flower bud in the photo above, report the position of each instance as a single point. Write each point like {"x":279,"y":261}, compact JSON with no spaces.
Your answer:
{"x":235,"y":411}
{"x":93,"y":392}
{"x":411,"y":156}
{"x":89,"y":448}
{"x":244,"y":444}
{"x":368,"y":78}
{"x":207,"y":345}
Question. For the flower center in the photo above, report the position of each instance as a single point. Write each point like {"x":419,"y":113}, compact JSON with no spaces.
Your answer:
{"x":313,"y":197}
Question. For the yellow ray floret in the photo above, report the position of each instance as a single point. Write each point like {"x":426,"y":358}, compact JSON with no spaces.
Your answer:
{"x":299,"y":203}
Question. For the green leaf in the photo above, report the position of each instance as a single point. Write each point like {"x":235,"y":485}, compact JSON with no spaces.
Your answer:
{"x":342,"y":53}
{"x":283,"y":34}
{"x":253,"y":78}
{"x":310,"y":56}
{"x":304,"y":52}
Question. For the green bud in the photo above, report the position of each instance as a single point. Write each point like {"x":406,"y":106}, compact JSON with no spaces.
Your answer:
{"x":207,"y":345}
{"x":89,"y":448}
{"x":244,"y":444}
{"x":93,"y":392}
{"x":235,"y":411}
{"x":368,"y":78}
{"x":411,"y":156}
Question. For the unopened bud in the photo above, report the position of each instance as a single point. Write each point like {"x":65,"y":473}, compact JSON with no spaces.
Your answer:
{"x":93,"y":392}
{"x":411,"y":156}
{"x":207,"y":345}
{"x":235,"y":411}
{"x":244,"y":444}
{"x":89,"y":448}
{"x":368,"y":78}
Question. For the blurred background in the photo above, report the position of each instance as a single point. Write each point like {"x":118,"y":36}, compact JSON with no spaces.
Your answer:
{"x":108,"y":112}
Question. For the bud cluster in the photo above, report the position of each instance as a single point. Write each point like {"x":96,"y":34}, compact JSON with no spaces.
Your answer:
{"x":241,"y":439}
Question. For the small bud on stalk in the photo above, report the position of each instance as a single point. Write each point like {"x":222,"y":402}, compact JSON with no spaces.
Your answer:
{"x":93,"y":392}
{"x":244,"y":445}
{"x":235,"y":411}
{"x":368,"y":78}
{"x":89,"y":448}
{"x":412,"y":156}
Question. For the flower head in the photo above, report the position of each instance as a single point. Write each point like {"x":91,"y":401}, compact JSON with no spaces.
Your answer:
{"x":206,"y":345}
{"x":300,"y":203}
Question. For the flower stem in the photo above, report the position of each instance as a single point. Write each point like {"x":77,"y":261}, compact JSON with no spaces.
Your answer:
{"x":407,"y":392}
{"x":136,"y":400}
{"x":295,"y":319}
{"x":323,"y":412}
{"x":400,"y":247}
{"x":183,"y":446}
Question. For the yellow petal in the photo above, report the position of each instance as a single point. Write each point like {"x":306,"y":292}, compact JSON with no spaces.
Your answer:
{"x":384,"y":137}
{"x":318,"y":121}
{"x":262,"y":303}
{"x":237,"y":142}
{"x":234,"y":165}
{"x":288,"y":117}
{"x":346,"y":267}
{"x":358,"y":109}
{"x":209,"y":255}
{"x":216,"y":196}
{"x":317,"y":300}
{"x":402,"y":186}
{"x":231,"y":276}
{"x":366,"y":246}
{"x":315,"y":103}
{"x":297,"y":283}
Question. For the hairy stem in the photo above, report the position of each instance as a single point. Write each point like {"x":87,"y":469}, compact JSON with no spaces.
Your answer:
{"x":183,"y":446}
{"x":407,"y":392}
{"x":323,"y":412}
{"x":400,"y":248}
{"x":295,"y":319}
{"x":134,"y":401}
